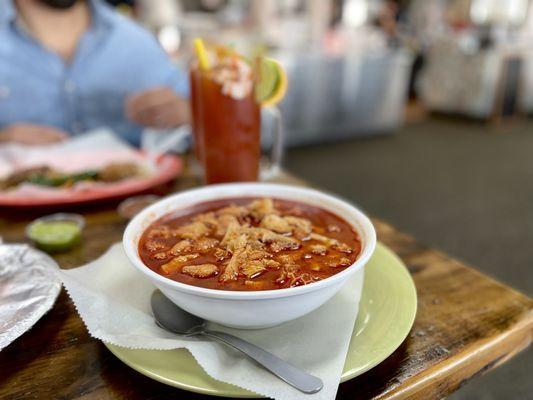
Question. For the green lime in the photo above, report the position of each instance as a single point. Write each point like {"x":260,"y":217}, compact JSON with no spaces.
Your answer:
{"x":55,"y":236}
{"x":272,"y":83}
{"x":267,"y":80}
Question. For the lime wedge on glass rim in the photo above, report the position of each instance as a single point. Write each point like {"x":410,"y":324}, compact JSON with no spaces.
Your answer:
{"x":271,"y":84}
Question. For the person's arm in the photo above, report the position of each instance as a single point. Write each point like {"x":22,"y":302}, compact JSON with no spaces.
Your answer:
{"x":159,"y":107}
{"x":163,"y":103}
{"x":31,"y":134}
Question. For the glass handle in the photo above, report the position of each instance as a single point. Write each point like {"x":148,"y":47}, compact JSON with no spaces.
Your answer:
{"x":278,"y":139}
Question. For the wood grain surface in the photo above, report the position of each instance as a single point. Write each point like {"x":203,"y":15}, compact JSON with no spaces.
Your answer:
{"x":467,"y":324}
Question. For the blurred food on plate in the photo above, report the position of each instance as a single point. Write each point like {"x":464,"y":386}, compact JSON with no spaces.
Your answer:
{"x":94,"y":166}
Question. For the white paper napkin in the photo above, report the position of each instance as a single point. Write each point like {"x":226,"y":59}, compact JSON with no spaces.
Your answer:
{"x":113,"y":299}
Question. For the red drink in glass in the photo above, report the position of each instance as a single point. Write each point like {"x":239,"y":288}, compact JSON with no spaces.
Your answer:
{"x":228,"y":132}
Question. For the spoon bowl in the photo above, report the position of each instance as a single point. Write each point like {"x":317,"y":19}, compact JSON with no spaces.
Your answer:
{"x":172,"y":318}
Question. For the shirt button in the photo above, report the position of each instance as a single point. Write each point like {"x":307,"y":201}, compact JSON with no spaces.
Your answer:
{"x":70,"y":86}
{"x":4,"y":92}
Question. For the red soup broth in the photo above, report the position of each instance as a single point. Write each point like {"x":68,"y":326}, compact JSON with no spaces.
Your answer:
{"x":329,"y":247}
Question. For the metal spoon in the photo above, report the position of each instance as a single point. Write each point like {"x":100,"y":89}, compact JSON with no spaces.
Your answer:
{"x":172,"y":318}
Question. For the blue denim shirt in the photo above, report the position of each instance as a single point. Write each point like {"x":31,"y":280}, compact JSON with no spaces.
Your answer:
{"x":115,"y":58}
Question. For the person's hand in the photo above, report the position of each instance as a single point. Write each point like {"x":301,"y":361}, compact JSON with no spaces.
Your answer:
{"x":158,"y":108}
{"x":32,"y":134}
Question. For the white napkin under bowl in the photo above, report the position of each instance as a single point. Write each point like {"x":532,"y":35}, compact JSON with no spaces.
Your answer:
{"x":113,"y":299}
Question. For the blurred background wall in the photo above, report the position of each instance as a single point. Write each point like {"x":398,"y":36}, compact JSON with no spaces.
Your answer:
{"x":354,"y":64}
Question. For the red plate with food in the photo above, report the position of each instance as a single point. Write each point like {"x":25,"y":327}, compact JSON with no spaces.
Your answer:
{"x":79,"y":177}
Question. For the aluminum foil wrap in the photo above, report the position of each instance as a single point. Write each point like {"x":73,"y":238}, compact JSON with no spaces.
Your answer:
{"x":28,"y":289}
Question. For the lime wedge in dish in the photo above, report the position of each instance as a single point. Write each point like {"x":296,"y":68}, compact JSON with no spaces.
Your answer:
{"x":55,"y":235}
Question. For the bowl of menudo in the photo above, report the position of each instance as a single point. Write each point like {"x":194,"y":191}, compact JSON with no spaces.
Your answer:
{"x":250,"y":255}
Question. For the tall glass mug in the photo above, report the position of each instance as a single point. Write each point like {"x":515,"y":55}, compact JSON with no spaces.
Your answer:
{"x":227,"y":127}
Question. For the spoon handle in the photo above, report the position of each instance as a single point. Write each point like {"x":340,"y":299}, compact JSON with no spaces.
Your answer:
{"x":295,"y":377}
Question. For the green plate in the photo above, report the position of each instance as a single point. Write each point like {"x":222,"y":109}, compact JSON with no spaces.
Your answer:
{"x":386,"y":314}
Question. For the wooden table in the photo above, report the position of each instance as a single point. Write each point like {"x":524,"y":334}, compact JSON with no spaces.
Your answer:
{"x":467,"y":324}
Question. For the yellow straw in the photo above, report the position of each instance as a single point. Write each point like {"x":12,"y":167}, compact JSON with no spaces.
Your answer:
{"x":201,"y":53}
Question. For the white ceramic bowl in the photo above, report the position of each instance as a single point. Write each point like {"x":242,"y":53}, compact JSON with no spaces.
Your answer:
{"x":252,"y":309}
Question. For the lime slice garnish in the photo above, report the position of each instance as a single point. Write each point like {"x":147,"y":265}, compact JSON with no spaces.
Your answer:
{"x":271,"y":85}
{"x":267,"y":80}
